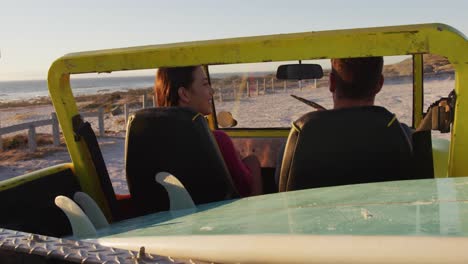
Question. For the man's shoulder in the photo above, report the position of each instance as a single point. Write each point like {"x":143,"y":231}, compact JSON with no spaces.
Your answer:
{"x":407,"y":129}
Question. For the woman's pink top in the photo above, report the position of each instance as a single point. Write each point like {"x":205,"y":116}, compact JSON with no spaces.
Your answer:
{"x":240,"y":174}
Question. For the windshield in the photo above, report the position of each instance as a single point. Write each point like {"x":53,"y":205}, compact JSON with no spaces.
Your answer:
{"x":256,"y":99}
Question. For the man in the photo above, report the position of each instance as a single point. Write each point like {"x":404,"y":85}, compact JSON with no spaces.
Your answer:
{"x":355,"y":81}
{"x":355,"y":142}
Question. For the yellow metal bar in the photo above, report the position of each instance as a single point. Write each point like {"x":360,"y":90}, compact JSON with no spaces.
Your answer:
{"x":65,"y":107}
{"x":261,"y":133}
{"x":418,"y":89}
{"x":385,"y":41}
{"x":458,"y":167}
{"x":13,"y":182}
{"x":440,"y":155}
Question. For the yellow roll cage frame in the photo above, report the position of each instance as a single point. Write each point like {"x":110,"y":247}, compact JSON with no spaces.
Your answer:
{"x":413,"y":40}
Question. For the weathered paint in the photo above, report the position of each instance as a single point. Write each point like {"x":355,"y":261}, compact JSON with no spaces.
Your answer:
{"x":459,"y":141}
{"x":418,"y":89}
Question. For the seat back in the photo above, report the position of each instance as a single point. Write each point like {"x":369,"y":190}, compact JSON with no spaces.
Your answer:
{"x":423,"y":162}
{"x":175,"y":140}
{"x":345,"y":146}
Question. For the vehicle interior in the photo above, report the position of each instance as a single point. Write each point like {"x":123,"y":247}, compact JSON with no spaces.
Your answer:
{"x":266,"y":99}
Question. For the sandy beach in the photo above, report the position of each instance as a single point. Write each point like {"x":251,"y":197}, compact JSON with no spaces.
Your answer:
{"x":19,"y":161}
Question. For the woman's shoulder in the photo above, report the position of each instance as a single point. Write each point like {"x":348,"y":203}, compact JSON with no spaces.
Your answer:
{"x":222,"y":138}
{"x":220,"y":133}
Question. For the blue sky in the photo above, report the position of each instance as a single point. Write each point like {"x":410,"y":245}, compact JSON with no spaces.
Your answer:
{"x":34,"y":33}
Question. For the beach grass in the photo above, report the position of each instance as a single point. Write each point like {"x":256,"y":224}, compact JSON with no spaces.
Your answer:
{"x":15,"y":148}
{"x":21,"y":141}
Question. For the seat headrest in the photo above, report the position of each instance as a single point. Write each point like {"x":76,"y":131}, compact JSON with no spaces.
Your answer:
{"x":174,"y":117}
{"x":368,"y":115}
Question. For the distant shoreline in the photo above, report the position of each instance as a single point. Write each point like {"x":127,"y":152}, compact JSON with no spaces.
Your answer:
{"x":130,"y":96}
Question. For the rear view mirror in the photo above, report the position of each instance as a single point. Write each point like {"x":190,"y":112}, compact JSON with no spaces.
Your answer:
{"x":299,"y":72}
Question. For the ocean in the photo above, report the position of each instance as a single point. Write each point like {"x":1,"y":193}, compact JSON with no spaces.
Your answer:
{"x":33,"y":89}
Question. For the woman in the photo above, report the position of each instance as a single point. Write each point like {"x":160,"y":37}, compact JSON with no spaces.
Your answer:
{"x":189,"y":87}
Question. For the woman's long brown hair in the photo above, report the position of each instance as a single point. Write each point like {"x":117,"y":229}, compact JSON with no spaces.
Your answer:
{"x":169,"y":80}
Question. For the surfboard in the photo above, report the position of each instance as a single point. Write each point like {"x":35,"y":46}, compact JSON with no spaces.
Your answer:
{"x":402,"y":220}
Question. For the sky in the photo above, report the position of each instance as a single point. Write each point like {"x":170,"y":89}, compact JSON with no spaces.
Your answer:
{"x":33,"y":33}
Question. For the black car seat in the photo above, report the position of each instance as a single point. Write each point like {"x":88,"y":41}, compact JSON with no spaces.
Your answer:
{"x":346,"y":146}
{"x":175,"y":140}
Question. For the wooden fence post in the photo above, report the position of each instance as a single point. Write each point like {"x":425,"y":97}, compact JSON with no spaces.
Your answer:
{"x":154,"y":101}
{"x":143,"y":101}
{"x":101,"y":121}
{"x":32,"y":138}
{"x":220,"y":96}
{"x":300,"y":84}
{"x":55,"y":129}
{"x":257,"y":88}
{"x":234,"y":89}
{"x":273,"y":84}
{"x":315,"y":83}
{"x":264,"y":85}
{"x":284,"y":85}
{"x":126,"y":115}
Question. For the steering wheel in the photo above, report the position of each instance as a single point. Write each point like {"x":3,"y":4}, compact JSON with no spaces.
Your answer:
{"x":308,"y":102}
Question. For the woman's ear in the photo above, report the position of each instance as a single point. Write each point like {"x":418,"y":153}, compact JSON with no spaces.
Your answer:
{"x":184,"y":95}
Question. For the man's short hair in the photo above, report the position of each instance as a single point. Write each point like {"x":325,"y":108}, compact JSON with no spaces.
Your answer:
{"x":357,"y":78}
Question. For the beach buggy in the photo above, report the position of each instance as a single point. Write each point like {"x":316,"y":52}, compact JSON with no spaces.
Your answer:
{"x":423,"y":219}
